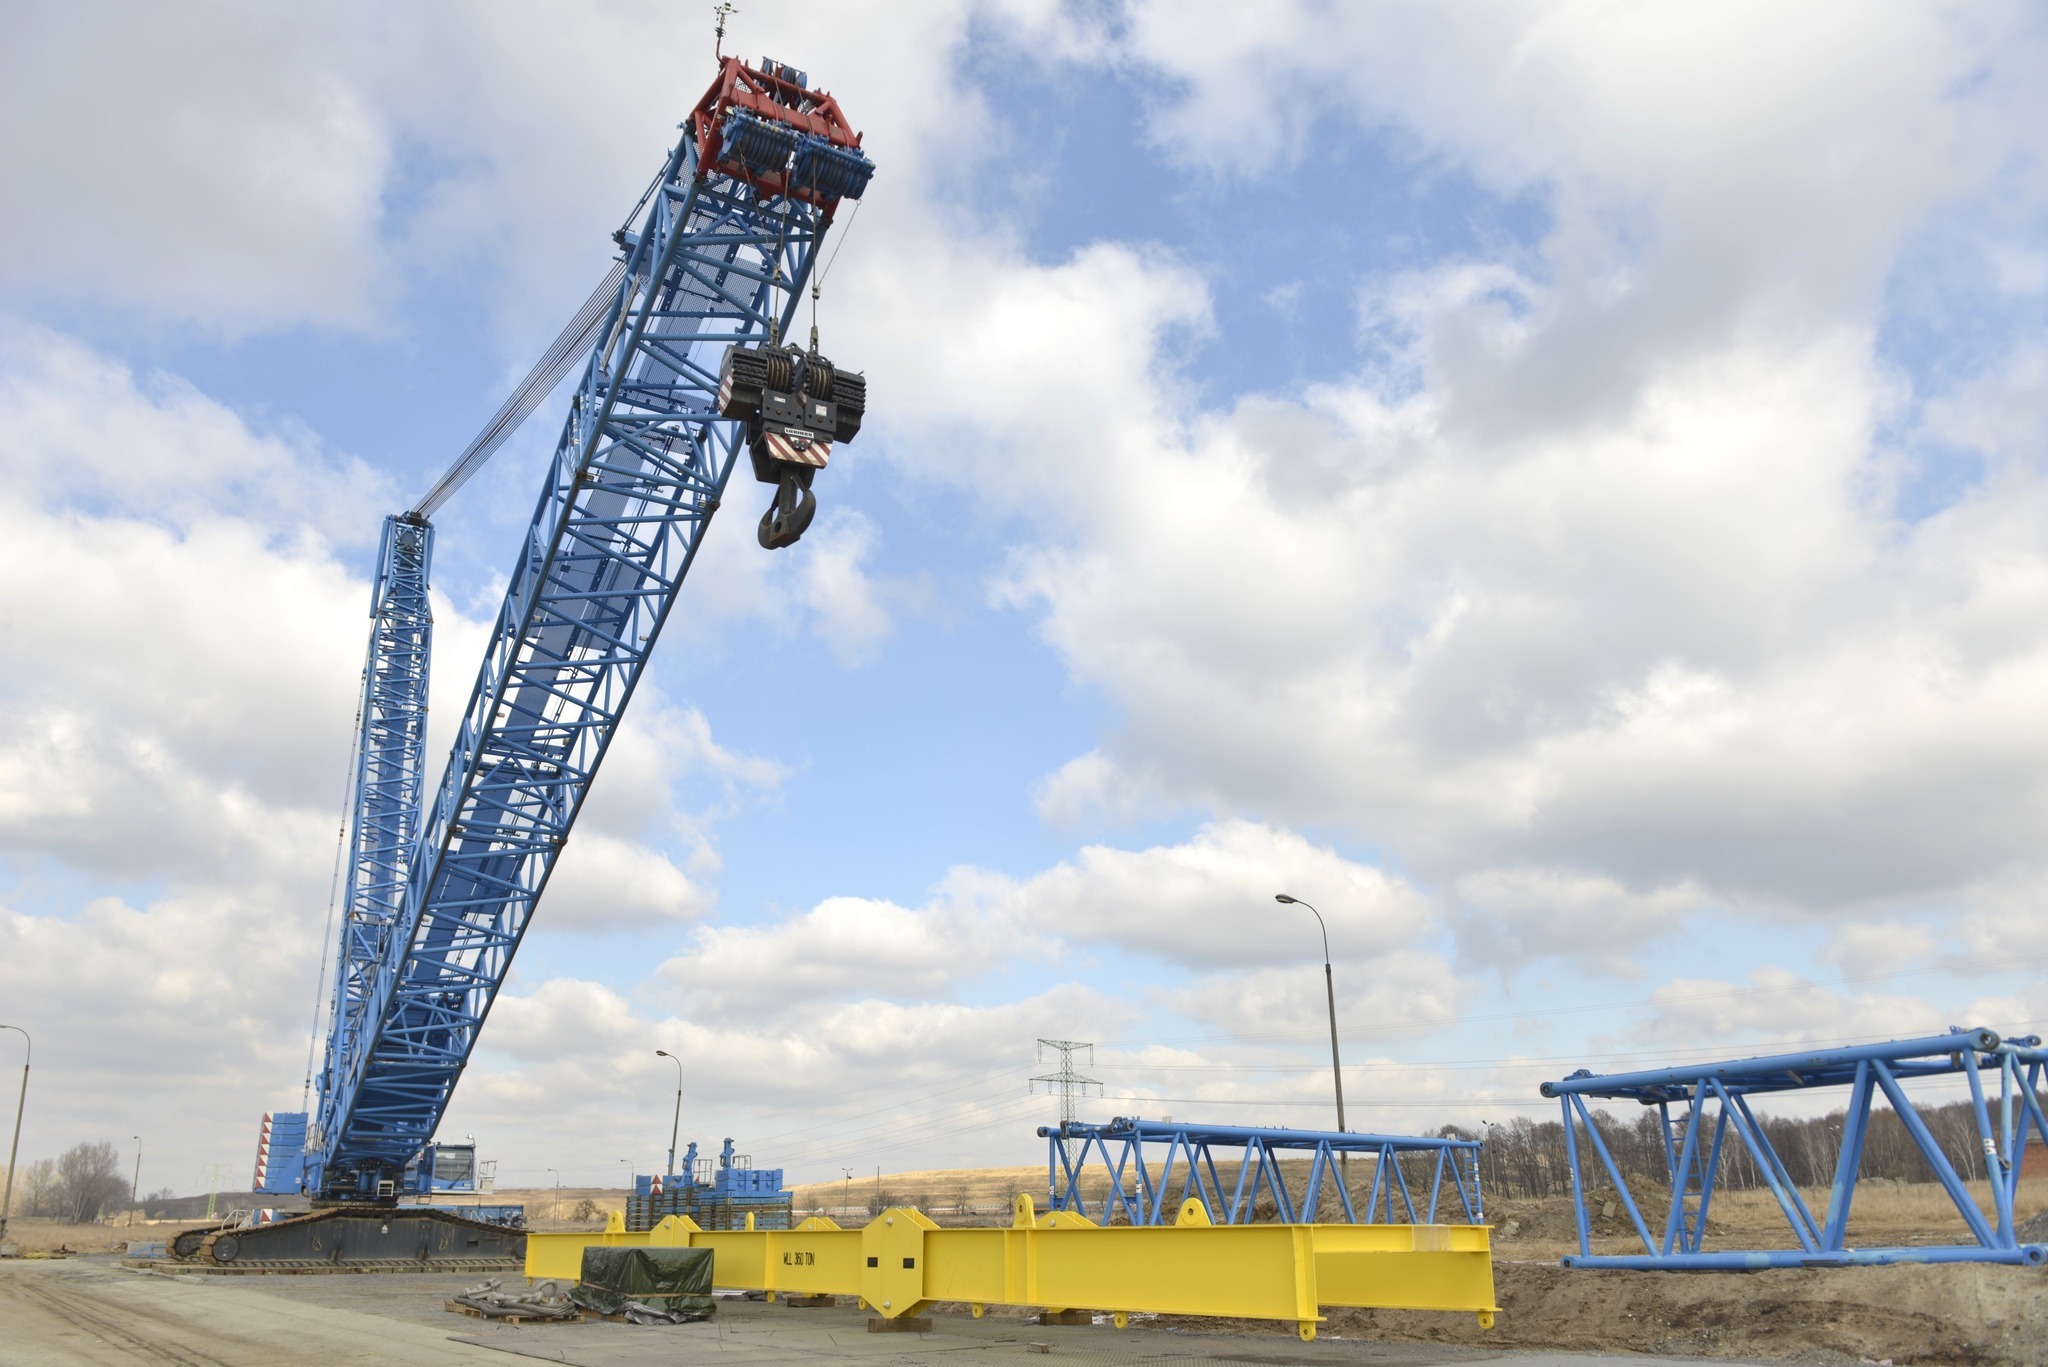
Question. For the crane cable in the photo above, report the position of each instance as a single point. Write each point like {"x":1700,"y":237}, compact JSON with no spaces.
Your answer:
{"x":348,"y":785}
{"x":572,"y":344}
{"x":818,"y":280}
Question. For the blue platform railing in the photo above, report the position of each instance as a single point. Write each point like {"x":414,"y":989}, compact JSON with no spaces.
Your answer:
{"x":1712,"y":1101}
{"x":1143,"y":1194}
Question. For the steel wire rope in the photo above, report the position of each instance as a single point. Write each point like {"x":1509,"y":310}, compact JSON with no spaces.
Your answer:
{"x":798,"y":1133}
{"x":892,"y":1141}
{"x":1706,"y":1051}
{"x":1445,"y":1103}
{"x":882,"y":1140}
{"x":812,"y":1103}
{"x":326,"y":998}
{"x":827,"y":1124}
{"x":1955,"y":1080}
{"x":572,"y":343}
{"x":898,"y":1117}
{"x":889,"y":1137}
{"x":897,"y":1145}
{"x":818,"y":280}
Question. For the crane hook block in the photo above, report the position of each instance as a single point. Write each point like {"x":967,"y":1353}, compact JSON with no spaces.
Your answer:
{"x":795,"y":404}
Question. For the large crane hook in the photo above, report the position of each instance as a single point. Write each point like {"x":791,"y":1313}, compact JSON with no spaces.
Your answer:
{"x":795,"y":405}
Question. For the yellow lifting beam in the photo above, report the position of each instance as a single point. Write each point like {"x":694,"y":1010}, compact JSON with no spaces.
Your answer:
{"x":901,"y":1263}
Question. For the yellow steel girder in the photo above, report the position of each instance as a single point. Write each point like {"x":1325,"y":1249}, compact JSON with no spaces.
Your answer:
{"x":901,"y":1262}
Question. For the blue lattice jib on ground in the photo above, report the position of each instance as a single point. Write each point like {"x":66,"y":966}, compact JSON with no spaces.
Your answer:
{"x":1713,"y":1104}
{"x":1139,"y":1194}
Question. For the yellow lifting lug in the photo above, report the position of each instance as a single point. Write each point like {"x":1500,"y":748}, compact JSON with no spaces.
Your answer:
{"x":1121,"y":1319}
{"x":1023,"y":1214}
{"x":1307,"y":1330}
{"x":1486,"y":1319}
{"x":977,"y":1309}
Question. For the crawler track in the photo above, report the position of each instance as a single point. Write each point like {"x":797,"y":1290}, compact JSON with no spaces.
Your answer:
{"x":345,"y":1239}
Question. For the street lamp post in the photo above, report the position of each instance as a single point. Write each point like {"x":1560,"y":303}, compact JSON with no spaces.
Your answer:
{"x":555,"y":1205}
{"x":135,"y":1186}
{"x":846,"y":1198}
{"x":676,"y":1123}
{"x":14,"y":1149}
{"x":1330,"y":990}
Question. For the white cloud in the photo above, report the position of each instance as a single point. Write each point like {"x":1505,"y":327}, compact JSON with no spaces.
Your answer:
{"x":251,"y":169}
{"x":182,"y":667}
{"x":843,"y":948}
{"x":603,"y":883}
{"x":1205,"y":905}
{"x":1406,"y":994}
{"x":1788,"y":1009}
{"x":849,"y":607}
{"x":570,"y":1069}
{"x":1209,"y":903}
{"x":1611,"y":580}
{"x":1513,"y":916}
{"x":1869,"y":949}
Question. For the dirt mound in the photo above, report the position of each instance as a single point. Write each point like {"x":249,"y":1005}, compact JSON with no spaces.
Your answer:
{"x":1924,"y":1313}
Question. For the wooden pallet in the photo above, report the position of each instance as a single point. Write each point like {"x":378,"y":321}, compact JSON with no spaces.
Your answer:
{"x":459,"y":1308}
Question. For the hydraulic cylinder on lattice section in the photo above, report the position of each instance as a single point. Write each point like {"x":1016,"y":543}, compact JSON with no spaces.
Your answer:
{"x":902,"y":1263}
{"x":1714,"y":1102}
{"x":1447,"y":1170}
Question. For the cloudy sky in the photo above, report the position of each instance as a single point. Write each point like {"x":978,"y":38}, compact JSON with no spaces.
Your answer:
{"x":1563,"y":488}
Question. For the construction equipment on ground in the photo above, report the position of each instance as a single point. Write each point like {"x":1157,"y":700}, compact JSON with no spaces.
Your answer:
{"x":1142,"y":1196}
{"x":686,"y":366}
{"x":1714,"y":1098}
{"x":727,"y":1192}
{"x":902,"y":1262}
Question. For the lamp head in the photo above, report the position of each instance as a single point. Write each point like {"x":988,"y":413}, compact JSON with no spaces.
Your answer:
{"x":1283,"y":897}
{"x":663,"y":1053}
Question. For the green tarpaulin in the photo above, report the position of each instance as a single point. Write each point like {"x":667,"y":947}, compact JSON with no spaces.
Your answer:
{"x":676,"y":1281}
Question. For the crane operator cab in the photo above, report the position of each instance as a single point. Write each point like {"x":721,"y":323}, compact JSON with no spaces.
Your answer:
{"x":795,"y":405}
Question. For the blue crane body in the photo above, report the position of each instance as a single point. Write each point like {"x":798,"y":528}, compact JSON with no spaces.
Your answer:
{"x":689,"y":369}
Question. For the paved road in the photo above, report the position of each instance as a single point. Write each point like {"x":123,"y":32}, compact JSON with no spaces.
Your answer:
{"x":90,"y":1312}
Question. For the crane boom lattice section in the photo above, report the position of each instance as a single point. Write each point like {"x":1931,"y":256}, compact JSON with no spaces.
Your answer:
{"x":391,"y":746}
{"x":718,"y":260}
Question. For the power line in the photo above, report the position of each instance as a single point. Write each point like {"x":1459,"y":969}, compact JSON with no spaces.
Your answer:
{"x":1410,"y":1022}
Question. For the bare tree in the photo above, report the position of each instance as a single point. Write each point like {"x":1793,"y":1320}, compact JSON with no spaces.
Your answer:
{"x":90,"y":1181}
{"x":38,"y":1189}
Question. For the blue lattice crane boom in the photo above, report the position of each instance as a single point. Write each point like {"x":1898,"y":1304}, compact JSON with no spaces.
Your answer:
{"x":689,"y":367}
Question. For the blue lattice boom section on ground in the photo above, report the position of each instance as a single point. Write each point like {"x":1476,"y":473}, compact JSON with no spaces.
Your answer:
{"x":1414,"y":1177}
{"x":1703,"y":1105}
